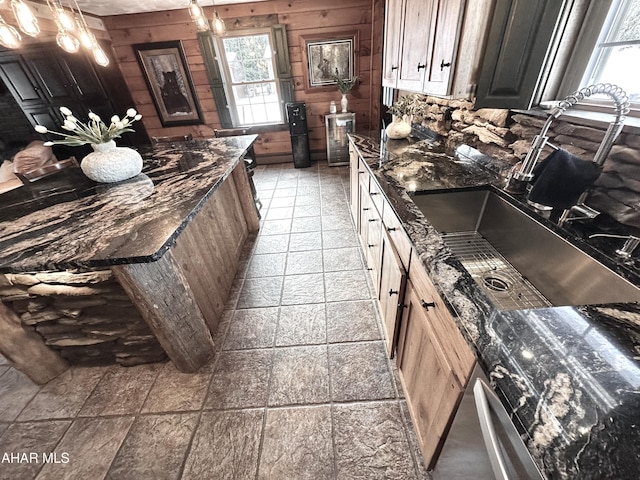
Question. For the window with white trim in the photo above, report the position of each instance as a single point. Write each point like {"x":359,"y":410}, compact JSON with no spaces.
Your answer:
{"x":250,"y":76}
{"x":616,"y":56}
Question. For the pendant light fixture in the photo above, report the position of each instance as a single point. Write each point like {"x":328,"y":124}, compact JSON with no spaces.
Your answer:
{"x":88,"y":39}
{"x":219,"y":28}
{"x":198,"y":16}
{"x":64,"y":39}
{"x":25,"y":17}
{"x":9,"y":36}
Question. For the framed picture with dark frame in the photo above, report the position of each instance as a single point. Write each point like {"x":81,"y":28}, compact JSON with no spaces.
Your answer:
{"x":165,"y":69}
{"x":328,"y":55}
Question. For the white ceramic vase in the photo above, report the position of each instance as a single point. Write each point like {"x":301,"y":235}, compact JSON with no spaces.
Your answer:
{"x":109,"y":163}
{"x":344,"y":103}
{"x":398,"y":128}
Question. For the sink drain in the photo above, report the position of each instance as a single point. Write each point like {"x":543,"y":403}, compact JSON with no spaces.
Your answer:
{"x":496,"y":283}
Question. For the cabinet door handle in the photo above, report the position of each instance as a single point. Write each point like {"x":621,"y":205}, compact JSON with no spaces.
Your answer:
{"x":420,"y":66}
{"x":373,"y":219}
{"x":394,"y":67}
{"x":393,"y":292}
{"x":374,"y":193}
{"x":360,"y":172}
{"x":442,"y":64}
{"x":426,"y":305}
{"x":365,"y":209}
{"x":391,"y":229}
{"x":371,"y":245}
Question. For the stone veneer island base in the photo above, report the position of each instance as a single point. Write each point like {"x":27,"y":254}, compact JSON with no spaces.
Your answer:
{"x":140,"y":309}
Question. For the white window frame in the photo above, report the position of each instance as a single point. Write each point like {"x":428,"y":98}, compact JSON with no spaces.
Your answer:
{"x":227,"y":78}
{"x":597,"y":16}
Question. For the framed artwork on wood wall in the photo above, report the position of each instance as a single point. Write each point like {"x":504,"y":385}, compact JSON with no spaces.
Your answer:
{"x":329,"y":55}
{"x":165,"y":70}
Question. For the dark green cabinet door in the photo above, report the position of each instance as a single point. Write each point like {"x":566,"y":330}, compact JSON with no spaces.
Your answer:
{"x":519,"y":47}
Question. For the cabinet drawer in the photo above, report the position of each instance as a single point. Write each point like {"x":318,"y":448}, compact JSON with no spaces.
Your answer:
{"x":397,"y":234}
{"x":458,"y":352}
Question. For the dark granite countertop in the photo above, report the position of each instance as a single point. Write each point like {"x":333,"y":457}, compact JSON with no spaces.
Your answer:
{"x":569,"y":376}
{"x":68,"y":221}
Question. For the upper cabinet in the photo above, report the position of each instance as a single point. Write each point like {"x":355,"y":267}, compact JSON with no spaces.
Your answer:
{"x":421,"y":42}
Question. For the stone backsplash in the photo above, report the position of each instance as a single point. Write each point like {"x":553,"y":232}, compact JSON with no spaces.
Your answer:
{"x":507,"y":135}
{"x":84,"y":315}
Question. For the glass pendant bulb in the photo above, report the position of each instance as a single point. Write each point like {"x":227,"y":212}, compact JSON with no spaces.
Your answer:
{"x":99,"y":56}
{"x":67,"y":21}
{"x":67,"y":42}
{"x":219,"y":27}
{"x":198,"y":17}
{"x":9,"y":36}
{"x":87,"y":39}
{"x":27,"y":21}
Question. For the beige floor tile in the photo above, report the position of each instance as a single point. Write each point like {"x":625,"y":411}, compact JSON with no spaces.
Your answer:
{"x":225,"y":446}
{"x":91,"y":445}
{"x":16,"y":391}
{"x":155,"y":447}
{"x":297,"y":444}
{"x":64,"y":396}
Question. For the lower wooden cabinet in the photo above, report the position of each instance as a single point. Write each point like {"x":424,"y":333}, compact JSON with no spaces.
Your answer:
{"x":431,"y":387}
{"x":433,"y":358}
{"x":392,"y":282}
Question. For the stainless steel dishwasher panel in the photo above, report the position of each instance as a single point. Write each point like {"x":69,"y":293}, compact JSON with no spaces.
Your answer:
{"x":466,"y":455}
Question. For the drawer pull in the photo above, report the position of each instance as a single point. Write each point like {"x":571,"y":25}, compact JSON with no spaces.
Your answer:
{"x":393,"y":292}
{"x":391,"y":229}
{"x":365,"y":209}
{"x":373,"y":219}
{"x":370,"y":245}
{"x":360,"y":172}
{"x":375,"y":193}
{"x":426,"y":305}
{"x":369,"y":268}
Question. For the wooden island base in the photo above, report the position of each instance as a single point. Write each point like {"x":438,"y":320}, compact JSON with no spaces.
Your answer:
{"x":181,"y":296}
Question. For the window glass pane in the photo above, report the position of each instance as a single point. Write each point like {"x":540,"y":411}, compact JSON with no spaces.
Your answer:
{"x":253,"y":83}
{"x":616,"y":58}
{"x":249,"y":58}
{"x":628,"y":28}
{"x":257,"y":103}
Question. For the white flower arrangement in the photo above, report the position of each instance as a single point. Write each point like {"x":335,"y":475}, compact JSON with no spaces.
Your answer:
{"x":95,"y":131}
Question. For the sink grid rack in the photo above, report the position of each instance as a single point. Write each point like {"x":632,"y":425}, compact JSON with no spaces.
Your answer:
{"x":500,"y":280}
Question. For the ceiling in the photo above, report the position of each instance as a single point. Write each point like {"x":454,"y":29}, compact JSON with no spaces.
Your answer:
{"x":103,"y":8}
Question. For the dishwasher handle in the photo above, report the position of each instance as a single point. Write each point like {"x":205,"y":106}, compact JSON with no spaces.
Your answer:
{"x":480,"y":392}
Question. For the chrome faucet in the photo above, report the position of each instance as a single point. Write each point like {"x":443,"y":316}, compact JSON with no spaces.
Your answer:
{"x":518,"y":180}
{"x":630,"y":244}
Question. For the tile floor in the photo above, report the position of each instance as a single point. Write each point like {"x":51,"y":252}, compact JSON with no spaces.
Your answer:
{"x":300,"y":387}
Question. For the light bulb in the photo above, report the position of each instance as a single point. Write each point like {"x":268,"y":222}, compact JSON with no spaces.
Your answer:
{"x":9,"y":36}
{"x":27,"y":21}
{"x":195,"y":9}
{"x":99,"y":56}
{"x":219,"y":27}
{"x":87,"y":39}
{"x":67,"y":42}
{"x":66,"y":20}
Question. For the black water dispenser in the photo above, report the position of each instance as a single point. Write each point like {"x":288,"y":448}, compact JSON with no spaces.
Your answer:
{"x":297,"y":119}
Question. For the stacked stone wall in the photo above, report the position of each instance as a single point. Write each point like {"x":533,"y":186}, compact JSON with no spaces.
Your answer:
{"x":507,"y":136}
{"x":85,"y":316}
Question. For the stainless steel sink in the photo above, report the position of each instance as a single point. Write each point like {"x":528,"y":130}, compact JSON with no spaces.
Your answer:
{"x":516,"y":260}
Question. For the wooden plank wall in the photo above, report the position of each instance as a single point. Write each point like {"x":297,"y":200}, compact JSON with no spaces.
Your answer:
{"x":302,"y":17}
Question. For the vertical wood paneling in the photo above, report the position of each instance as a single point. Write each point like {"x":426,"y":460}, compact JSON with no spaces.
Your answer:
{"x":302,"y":17}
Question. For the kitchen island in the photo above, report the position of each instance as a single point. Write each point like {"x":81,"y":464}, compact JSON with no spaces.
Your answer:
{"x":129,"y":272}
{"x":569,"y":376}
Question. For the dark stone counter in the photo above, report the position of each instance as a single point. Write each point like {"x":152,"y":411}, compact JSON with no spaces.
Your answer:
{"x":68,"y":221}
{"x":569,"y":376}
